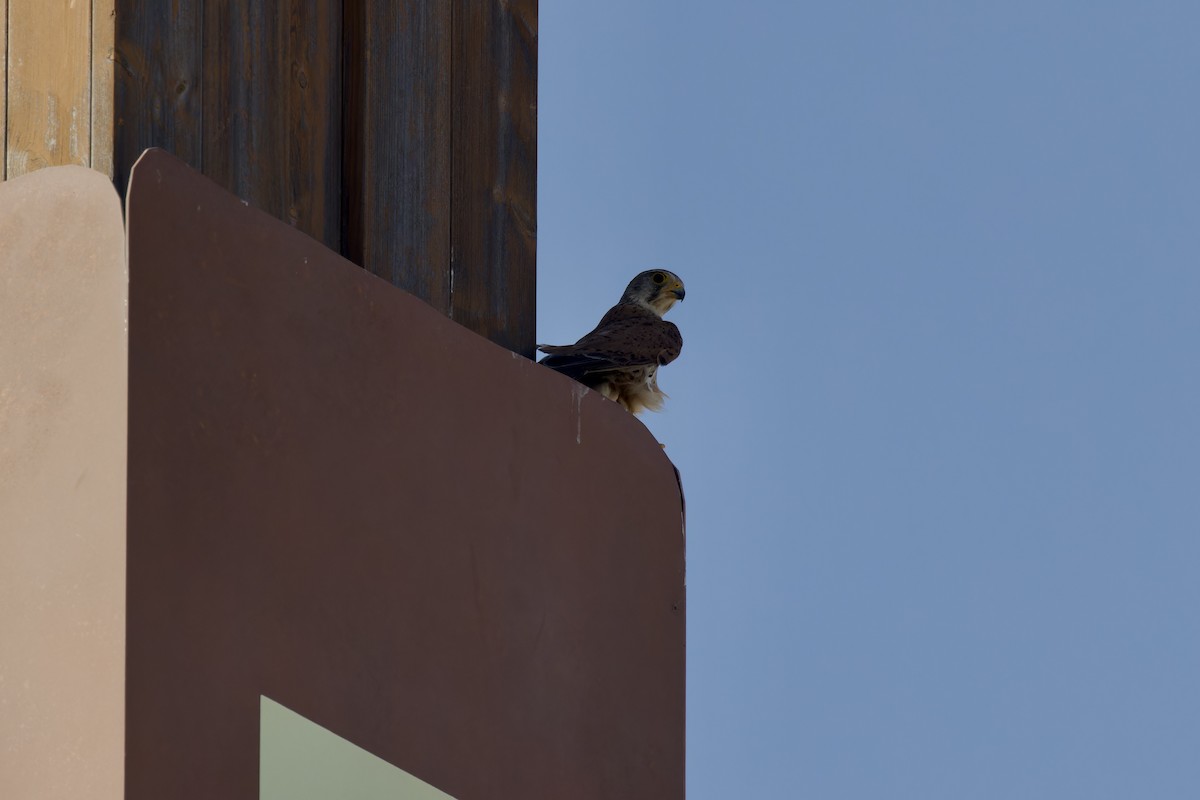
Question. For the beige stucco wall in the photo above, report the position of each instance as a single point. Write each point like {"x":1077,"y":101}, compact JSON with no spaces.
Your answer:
{"x":63,"y":354}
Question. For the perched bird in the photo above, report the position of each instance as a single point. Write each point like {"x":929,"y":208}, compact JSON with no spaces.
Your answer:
{"x":621,"y":356}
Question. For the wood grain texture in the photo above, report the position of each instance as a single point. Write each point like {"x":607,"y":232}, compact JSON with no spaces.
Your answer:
{"x":494,"y":180}
{"x":243,"y":132}
{"x":398,"y":147}
{"x":49,"y":64}
{"x":402,"y":135}
{"x":158,"y":87}
{"x":103,"y":31}
{"x":313,"y":119}
{"x":3,"y":89}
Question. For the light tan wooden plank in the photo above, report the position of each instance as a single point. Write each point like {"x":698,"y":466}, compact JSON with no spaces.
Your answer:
{"x":49,"y":84}
{"x":3,"y":88}
{"x":104,"y":17}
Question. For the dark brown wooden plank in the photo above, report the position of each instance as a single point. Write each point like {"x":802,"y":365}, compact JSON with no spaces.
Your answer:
{"x":272,"y":124}
{"x":401,"y":134}
{"x":397,"y":143}
{"x":314,"y":121}
{"x":494,"y":179}
{"x":244,"y":100}
{"x":158,"y":91}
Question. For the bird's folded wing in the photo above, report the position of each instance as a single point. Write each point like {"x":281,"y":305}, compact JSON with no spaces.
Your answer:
{"x":579,"y":366}
{"x":626,"y":342}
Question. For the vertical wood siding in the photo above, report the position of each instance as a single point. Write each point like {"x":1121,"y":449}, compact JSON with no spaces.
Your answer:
{"x":49,"y":94}
{"x":401,"y":134}
{"x":494,"y":180}
{"x":3,"y":89}
{"x":103,"y":30}
{"x":54,"y":83}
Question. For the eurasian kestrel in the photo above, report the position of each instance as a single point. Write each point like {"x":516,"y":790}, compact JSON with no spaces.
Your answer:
{"x":621,"y":356}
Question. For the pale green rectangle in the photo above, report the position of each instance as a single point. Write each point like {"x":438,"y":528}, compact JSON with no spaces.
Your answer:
{"x":300,"y":760}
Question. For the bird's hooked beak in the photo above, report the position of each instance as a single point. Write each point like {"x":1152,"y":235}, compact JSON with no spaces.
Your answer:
{"x":666,"y":296}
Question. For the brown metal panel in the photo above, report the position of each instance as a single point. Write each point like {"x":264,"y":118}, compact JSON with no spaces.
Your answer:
{"x":398,"y":147}
{"x":494,"y":189}
{"x":456,"y":559}
{"x":158,"y":56}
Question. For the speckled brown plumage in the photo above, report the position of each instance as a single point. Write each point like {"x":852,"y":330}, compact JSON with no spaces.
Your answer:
{"x":620,"y":357}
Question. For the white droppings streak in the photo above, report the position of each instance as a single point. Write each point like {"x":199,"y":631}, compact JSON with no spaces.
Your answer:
{"x":51,"y":123}
{"x":73,"y":137}
{"x":18,"y":162}
{"x":578,"y":392}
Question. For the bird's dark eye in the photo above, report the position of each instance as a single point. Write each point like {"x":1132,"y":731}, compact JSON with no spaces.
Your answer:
{"x":659,"y":279}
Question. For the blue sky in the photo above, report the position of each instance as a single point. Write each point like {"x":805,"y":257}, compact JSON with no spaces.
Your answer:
{"x":938,"y":408}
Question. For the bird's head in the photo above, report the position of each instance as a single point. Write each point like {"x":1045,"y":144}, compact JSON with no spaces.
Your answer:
{"x":656,"y":289}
